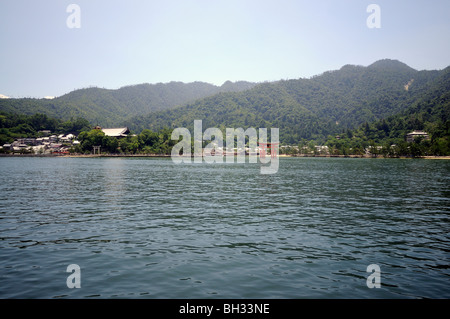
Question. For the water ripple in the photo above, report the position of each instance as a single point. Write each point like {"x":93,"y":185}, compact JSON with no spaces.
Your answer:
{"x":147,"y":228}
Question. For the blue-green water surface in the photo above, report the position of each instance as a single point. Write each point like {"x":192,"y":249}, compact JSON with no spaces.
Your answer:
{"x":149,"y":228}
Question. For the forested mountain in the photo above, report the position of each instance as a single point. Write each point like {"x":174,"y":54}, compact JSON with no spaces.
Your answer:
{"x":110,"y":107}
{"x":430,"y":113}
{"x":350,"y":110}
{"x":307,"y":108}
{"x":387,"y":91}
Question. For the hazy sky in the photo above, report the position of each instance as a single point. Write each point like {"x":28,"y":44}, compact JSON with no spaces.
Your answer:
{"x":131,"y":42}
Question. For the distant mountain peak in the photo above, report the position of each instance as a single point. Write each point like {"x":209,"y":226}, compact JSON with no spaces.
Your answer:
{"x":390,"y":64}
{"x":351,"y":67}
{"x":237,"y":86}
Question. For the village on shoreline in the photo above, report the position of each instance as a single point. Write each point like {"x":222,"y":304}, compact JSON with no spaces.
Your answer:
{"x":142,"y":155}
{"x":52,"y":145}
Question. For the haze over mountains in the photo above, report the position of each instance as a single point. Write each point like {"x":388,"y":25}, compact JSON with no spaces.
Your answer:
{"x":302,"y":109}
{"x":111,"y":107}
{"x":310,"y":108}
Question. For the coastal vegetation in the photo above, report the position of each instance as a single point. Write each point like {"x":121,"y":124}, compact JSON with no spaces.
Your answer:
{"x":383,"y":138}
{"x":13,"y":126}
{"x":351,"y":111}
{"x":310,"y":109}
{"x":147,"y":142}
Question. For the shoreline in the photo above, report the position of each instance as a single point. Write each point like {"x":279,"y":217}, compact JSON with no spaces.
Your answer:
{"x":166,"y":156}
{"x":375,"y":157}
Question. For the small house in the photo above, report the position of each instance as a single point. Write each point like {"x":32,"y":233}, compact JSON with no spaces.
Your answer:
{"x":8,"y":147}
{"x":45,"y":132}
{"x":410,"y":137}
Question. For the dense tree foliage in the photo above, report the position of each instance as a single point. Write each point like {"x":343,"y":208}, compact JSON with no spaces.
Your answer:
{"x":147,"y":142}
{"x":350,"y":110}
{"x":430,"y":113}
{"x":14,"y":126}
{"x":110,"y":107}
{"x":307,"y":109}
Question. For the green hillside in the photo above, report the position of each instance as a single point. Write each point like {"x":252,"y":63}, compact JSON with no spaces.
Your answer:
{"x":308,"y":109}
{"x":110,"y":107}
{"x":429,"y":113}
{"x":377,"y":104}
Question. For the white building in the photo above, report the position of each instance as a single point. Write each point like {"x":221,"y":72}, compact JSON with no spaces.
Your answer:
{"x":410,"y":137}
{"x":116,"y":132}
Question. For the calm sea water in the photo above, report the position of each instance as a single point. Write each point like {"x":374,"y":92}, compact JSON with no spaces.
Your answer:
{"x":148,"y":228}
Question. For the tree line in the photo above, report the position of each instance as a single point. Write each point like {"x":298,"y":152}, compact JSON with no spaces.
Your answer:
{"x":13,"y":126}
{"x":147,"y":142}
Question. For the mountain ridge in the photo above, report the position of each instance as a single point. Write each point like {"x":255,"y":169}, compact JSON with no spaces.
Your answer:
{"x":111,"y":106}
{"x":306,"y":108}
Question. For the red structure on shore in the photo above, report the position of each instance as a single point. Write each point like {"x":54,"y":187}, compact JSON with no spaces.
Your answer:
{"x":264,"y":147}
